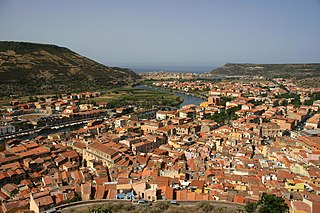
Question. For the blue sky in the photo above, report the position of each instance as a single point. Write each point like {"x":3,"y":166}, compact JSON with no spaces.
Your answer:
{"x":170,"y":32}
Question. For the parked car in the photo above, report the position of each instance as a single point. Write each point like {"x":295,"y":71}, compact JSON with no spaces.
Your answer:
{"x":174,"y":202}
{"x":143,"y":202}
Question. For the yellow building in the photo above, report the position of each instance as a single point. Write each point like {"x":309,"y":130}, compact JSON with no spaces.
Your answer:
{"x":197,"y":186}
{"x":204,"y":104}
{"x":235,"y":136}
{"x":294,"y":185}
{"x":101,"y":152}
{"x":299,"y":169}
{"x":240,"y":187}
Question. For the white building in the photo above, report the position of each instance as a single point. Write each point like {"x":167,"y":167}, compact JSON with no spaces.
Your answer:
{"x":7,"y":129}
{"x":161,"y":115}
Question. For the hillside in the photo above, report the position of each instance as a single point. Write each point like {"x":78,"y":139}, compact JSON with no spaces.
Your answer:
{"x":269,"y":70}
{"x":31,"y":68}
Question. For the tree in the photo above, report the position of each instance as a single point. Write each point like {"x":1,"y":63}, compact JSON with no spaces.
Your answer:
{"x":308,"y":102}
{"x":265,"y":120}
{"x":75,"y":199}
{"x":159,"y":207}
{"x":204,"y":207}
{"x":100,"y":209}
{"x":267,"y":204}
{"x":30,"y":99}
{"x":296,"y":102}
{"x":14,"y":192}
{"x":250,"y":207}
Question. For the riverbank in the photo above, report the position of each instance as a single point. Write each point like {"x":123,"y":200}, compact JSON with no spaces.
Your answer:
{"x":187,"y":98}
{"x":138,"y":97}
{"x":149,"y":83}
{"x":41,"y":131}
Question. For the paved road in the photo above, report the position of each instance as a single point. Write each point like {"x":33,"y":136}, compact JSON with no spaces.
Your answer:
{"x":84,"y":205}
{"x":39,"y":129}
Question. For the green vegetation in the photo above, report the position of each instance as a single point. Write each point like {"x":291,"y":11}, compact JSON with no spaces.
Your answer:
{"x":137,"y":97}
{"x":161,"y":207}
{"x":33,"y":98}
{"x":297,"y":71}
{"x":295,"y":99}
{"x":29,"y":68}
{"x":296,"y":102}
{"x":268,"y":204}
{"x":287,"y":95}
{"x":224,"y":100}
{"x":75,"y":199}
{"x":309,"y":82}
{"x":257,"y":103}
{"x":226,"y":116}
{"x":14,"y":192}
{"x":119,"y":97}
{"x":313,"y":97}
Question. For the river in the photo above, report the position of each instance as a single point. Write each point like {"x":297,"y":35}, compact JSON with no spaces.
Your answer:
{"x":187,"y":99}
{"x":45,"y":133}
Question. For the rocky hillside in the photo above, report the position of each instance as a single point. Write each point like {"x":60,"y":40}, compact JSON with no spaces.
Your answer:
{"x":31,"y":68}
{"x":269,"y":70}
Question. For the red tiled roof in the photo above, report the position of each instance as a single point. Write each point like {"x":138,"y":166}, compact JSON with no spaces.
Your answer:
{"x":103,"y":148}
{"x":44,"y":201}
{"x":238,"y":199}
{"x":301,"y":206}
{"x":100,"y":192}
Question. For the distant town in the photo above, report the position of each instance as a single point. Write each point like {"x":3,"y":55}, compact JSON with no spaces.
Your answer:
{"x":159,"y":106}
{"x":249,"y":136}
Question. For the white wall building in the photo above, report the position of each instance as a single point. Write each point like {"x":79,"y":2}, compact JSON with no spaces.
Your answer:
{"x":7,"y":129}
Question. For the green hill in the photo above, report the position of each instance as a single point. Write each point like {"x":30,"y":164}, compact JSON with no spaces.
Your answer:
{"x":269,"y":70}
{"x":32,"y":68}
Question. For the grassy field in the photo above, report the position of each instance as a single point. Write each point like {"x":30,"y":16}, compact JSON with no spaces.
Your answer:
{"x":123,"y":96}
{"x":5,"y":100}
{"x":137,"y":97}
{"x":309,"y":82}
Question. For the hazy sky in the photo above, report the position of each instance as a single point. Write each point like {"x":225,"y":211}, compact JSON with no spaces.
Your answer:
{"x":170,"y":32}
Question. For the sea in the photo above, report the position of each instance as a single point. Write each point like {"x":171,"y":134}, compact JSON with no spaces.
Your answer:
{"x":179,"y":69}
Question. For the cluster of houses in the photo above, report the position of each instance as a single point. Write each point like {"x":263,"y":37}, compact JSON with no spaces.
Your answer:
{"x":22,"y":115}
{"x":167,"y":75}
{"x":180,"y":154}
{"x":249,"y":88}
